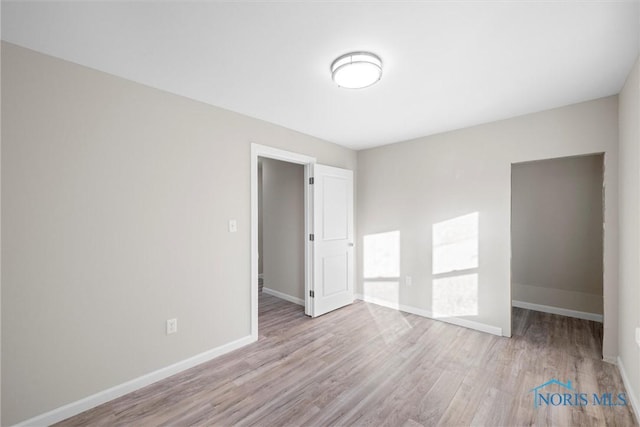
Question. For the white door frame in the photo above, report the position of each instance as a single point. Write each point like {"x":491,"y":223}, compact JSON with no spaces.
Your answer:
{"x":258,"y":150}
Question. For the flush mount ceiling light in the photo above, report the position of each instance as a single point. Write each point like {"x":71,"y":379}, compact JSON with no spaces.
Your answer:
{"x":356,"y":70}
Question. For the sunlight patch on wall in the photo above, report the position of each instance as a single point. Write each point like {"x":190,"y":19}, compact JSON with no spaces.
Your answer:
{"x":455,"y":261}
{"x":381,"y":267}
{"x":455,"y":296}
{"x":455,"y":244}
{"x":381,"y":255}
{"x":388,"y":291}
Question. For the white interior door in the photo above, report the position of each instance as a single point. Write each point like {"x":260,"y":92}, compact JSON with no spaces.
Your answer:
{"x":333,"y":267}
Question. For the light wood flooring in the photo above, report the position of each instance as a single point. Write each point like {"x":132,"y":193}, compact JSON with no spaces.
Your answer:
{"x":366,"y":365}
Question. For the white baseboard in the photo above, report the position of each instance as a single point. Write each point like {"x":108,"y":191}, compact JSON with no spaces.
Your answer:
{"x":99,"y":398}
{"x":285,"y":297}
{"x":482,"y":327}
{"x":630,"y":392}
{"x":557,"y":310}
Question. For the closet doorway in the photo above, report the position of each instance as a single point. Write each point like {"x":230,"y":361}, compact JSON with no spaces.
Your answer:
{"x":557,"y":235}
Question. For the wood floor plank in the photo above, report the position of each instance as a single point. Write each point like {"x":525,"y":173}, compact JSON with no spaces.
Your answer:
{"x":367,"y":365}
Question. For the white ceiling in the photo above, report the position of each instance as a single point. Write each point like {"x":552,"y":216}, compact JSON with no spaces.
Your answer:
{"x":447,"y":64}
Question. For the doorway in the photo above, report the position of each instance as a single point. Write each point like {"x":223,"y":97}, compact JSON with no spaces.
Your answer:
{"x":281,"y":229}
{"x":329,"y":273}
{"x":261,"y":151}
{"x":557,"y":236}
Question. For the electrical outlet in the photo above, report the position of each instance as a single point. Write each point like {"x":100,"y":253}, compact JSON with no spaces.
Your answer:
{"x":408,"y":281}
{"x":172,"y":326}
{"x":233,"y":226}
{"x":638,"y":336}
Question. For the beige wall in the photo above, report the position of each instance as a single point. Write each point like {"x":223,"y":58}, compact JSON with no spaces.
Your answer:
{"x":411,"y":186}
{"x":283,"y":222}
{"x":629,"y":288}
{"x":115,"y":204}
{"x":556,"y":232}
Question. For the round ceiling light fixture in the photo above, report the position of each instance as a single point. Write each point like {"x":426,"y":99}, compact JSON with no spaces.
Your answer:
{"x":356,"y":70}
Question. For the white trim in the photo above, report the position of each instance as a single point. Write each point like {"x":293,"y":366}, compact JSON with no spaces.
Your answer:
{"x":379,"y":301}
{"x":466,"y":323}
{"x":471,"y":324}
{"x":630,"y":392}
{"x":557,"y":310}
{"x":285,"y":297}
{"x":308,"y":229}
{"x":79,"y":406}
{"x":258,"y":150}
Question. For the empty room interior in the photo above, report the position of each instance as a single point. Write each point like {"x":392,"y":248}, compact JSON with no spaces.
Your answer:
{"x":320,"y":213}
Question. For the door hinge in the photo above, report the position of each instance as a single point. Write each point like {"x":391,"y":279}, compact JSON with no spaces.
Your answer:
{"x":312,"y":294}
{"x":311,"y":181}
{"x":311,"y":237}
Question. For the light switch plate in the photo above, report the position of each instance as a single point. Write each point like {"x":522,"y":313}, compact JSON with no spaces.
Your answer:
{"x":233,"y":226}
